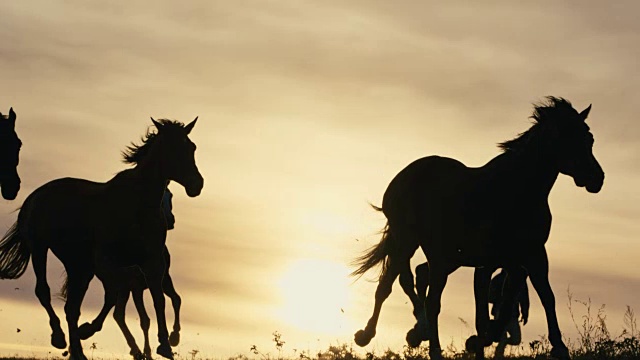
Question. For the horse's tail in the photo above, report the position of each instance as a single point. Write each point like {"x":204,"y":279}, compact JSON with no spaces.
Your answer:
{"x":14,"y":254}
{"x":64,"y":290}
{"x":375,"y":255}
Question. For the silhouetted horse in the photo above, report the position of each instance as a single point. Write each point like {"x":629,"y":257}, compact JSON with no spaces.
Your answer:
{"x":135,"y":287}
{"x":9,"y":156}
{"x":492,"y":216}
{"x":104,"y":229}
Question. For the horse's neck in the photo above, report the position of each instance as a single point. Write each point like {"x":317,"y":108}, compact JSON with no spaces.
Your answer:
{"x":140,"y":187}
{"x":528,"y":171}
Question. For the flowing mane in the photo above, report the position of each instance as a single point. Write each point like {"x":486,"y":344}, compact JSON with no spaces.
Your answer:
{"x":134,"y":152}
{"x":551,"y":109}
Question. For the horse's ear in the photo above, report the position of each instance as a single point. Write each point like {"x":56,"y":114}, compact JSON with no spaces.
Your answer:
{"x":12,"y":115}
{"x":157,"y":124}
{"x":585,"y":113}
{"x":190,"y":126}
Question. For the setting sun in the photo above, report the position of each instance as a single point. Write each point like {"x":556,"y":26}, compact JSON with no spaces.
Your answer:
{"x":314,"y":293}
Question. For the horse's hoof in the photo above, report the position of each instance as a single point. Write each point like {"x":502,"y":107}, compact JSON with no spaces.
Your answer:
{"x":560,"y":353}
{"x":361,"y":338}
{"x":472,"y":344}
{"x":58,"y":341}
{"x":137,"y":354}
{"x":164,"y":350}
{"x":413,"y":338}
{"x":147,"y":354}
{"x":174,"y":338}
{"x":86,"y":331}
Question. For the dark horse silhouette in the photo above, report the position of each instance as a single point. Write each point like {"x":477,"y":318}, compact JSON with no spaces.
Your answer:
{"x":9,"y":156}
{"x":104,"y":229}
{"x":496,"y":215}
{"x":135,"y":288}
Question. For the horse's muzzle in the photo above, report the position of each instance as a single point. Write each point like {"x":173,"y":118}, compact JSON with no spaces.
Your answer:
{"x":194,"y":186}
{"x":10,"y":189}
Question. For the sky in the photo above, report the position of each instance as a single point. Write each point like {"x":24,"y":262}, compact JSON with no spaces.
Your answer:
{"x":307,"y":110}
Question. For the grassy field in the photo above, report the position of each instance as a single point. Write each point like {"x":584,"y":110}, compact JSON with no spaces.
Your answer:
{"x":594,"y":342}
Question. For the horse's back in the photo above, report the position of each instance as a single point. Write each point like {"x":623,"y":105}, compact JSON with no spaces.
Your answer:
{"x":427,"y":179}
{"x":58,"y":205}
{"x":64,"y":192}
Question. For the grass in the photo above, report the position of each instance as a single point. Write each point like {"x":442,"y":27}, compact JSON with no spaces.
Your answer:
{"x":594,"y":342}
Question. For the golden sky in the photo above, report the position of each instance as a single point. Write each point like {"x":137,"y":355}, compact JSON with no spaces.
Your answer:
{"x":307,"y":111}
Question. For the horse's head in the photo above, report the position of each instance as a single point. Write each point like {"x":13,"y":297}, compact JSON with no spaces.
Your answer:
{"x":9,"y":156}
{"x":574,"y":148}
{"x":178,"y":155}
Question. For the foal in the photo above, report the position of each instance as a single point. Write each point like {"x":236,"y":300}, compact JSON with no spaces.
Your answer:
{"x":138,"y":285}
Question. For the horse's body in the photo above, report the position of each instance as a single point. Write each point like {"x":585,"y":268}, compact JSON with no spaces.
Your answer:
{"x":9,"y":156}
{"x":103,"y":229}
{"x":492,"y":216}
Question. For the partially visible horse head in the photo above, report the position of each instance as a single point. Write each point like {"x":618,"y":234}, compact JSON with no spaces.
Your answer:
{"x":572,"y":141}
{"x":9,"y":156}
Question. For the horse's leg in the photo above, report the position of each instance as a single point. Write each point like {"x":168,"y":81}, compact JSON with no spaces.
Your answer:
{"x":516,"y":276}
{"x":437,"y":280}
{"x":111,"y":288}
{"x":145,"y":321}
{"x":418,"y":333}
{"x":514,"y":338}
{"x":119,"y":316}
{"x":78,"y":280}
{"x":385,"y":284}
{"x":422,"y":284}
{"x":539,"y":275}
{"x":176,"y":301}
{"x":43,"y":292}
{"x":422,"y":280}
{"x":481,"y":281}
{"x":154,"y":272}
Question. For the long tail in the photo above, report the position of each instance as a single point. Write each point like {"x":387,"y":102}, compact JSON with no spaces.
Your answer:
{"x":375,"y":255}
{"x":14,"y":254}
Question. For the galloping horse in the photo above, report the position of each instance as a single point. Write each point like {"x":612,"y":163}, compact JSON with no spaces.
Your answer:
{"x":9,"y":156}
{"x":104,"y":229}
{"x":496,"y":215}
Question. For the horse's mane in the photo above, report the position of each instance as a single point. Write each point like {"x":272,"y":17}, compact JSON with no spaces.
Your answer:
{"x":134,"y":152}
{"x":551,"y":109}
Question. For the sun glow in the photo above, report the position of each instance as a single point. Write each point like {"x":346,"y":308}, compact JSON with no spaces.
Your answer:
{"x":314,"y":295}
